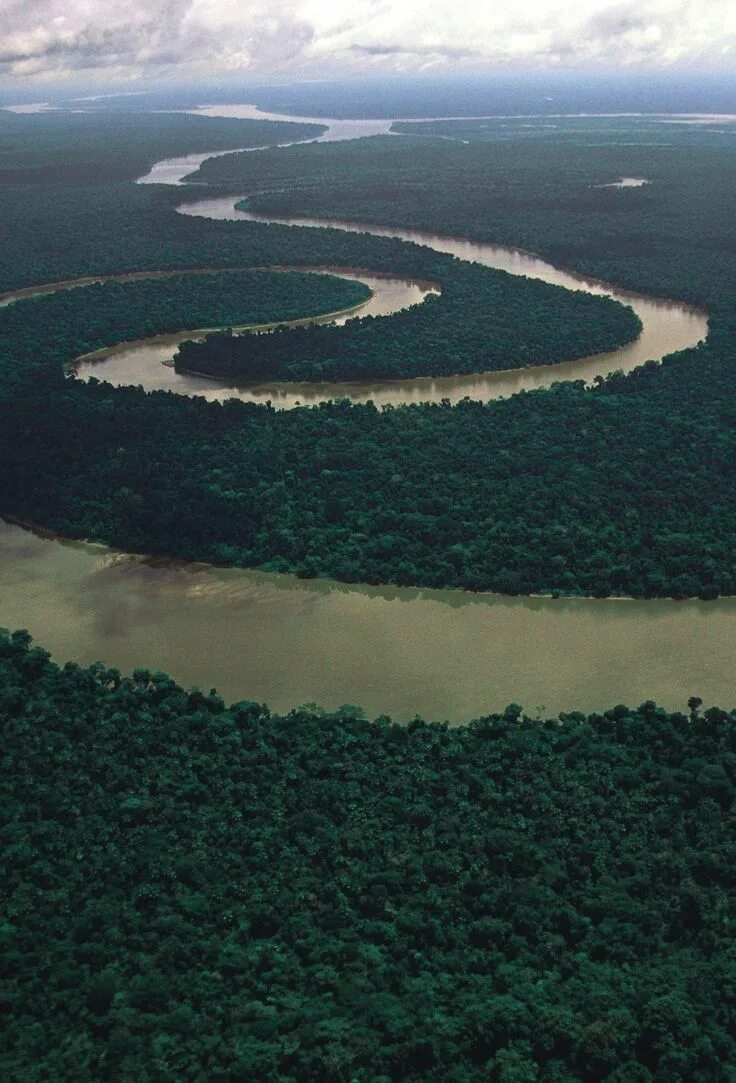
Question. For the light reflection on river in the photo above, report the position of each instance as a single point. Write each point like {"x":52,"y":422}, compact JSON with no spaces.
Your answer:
{"x":173,"y":170}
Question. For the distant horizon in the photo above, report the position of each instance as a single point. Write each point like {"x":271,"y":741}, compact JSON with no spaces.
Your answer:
{"x":466,"y":93}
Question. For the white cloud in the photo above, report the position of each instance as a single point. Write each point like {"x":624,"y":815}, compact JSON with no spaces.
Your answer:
{"x":134,"y":38}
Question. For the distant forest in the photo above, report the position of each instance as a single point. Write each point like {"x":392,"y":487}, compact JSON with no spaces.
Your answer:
{"x":81,"y":150}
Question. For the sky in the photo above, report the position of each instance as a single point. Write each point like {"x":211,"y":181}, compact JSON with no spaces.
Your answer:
{"x":134,"y":41}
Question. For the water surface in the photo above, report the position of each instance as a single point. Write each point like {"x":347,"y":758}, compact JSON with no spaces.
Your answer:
{"x":147,"y":362}
{"x":402,"y":651}
{"x":627,"y":182}
{"x":443,"y":654}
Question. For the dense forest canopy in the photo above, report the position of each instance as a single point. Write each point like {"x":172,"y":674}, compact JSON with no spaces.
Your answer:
{"x":481,"y":321}
{"x":68,"y":149}
{"x":530,"y":186}
{"x":62,"y":326}
{"x":199,"y":891}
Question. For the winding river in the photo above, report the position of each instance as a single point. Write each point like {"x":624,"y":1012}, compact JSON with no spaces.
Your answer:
{"x":443,"y":654}
{"x":667,"y":326}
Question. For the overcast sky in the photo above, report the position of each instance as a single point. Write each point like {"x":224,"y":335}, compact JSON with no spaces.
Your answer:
{"x":115,"y":40}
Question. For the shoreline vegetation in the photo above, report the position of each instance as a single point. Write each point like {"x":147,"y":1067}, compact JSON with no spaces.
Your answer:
{"x":553,"y":595}
{"x":201,"y":890}
{"x":56,"y":324}
{"x":418,"y":342}
{"x":46,"y":288}
{"x":236,"y":330}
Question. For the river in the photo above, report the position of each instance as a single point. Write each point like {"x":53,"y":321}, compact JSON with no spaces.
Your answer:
{"x":147,"y":361}
{"x":400,"y":651}
{"x":667,"y":326}
{"x":442,"y":654}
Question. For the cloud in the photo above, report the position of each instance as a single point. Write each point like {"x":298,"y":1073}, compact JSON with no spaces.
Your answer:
{"x":450,"y":52}
{"x":141,"y":38}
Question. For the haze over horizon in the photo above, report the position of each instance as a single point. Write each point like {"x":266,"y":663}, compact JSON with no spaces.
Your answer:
{"x":47,"y":43}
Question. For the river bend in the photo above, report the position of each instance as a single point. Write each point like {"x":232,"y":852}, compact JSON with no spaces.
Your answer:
{"x":667,"y":326}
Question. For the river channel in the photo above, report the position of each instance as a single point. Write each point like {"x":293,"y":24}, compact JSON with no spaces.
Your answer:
{"x":667,"y":326}
{"x":442,"y":654}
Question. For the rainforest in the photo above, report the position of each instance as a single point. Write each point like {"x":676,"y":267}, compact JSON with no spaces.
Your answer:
{"x":206,"y":888}
{"x":201,"y":891}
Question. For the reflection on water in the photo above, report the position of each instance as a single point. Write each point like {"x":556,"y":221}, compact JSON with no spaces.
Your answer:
{"x":284,"y":641}
{"x":174,"y":170}
{"x":627,"y":182}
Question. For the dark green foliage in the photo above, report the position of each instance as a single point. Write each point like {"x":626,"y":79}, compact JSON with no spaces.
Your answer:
{"x":484,"y":320}
{"x":200,"y":892}
{"x":508,"y":496}
{"x":110,"y":229}
{"x":537,"y":190}
{"x":59,"y":327}
{"x":208,"y":893}
{"x":59,"y":150}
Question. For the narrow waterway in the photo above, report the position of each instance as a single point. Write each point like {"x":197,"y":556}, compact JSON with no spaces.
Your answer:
{"x":173,"y":170}
{"x":147,"y":362}
{"x":667,"y":326}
